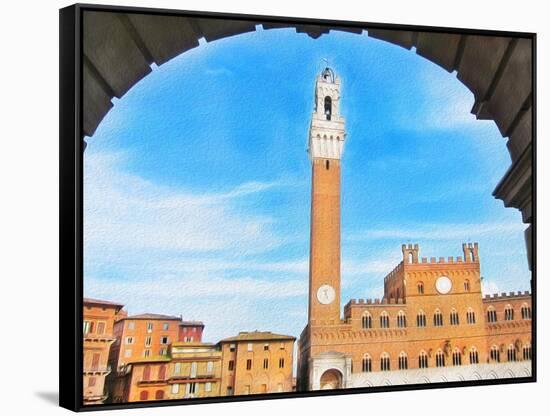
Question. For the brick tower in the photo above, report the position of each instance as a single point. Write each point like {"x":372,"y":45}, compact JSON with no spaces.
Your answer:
{"x":326,"y":144}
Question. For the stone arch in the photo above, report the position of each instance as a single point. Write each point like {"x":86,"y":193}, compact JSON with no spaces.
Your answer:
{"x":492,"y":375}
{"x":119,"y":49}
{"x":331,"y":379}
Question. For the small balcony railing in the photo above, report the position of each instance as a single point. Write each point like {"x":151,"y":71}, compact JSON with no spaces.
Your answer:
{"x":98,"y":369}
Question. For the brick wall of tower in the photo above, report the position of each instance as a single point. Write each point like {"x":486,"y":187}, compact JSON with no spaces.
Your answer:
{"x":325,"y":238}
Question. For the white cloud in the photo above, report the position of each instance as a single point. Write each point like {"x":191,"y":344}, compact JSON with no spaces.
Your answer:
{"x":489,"y":287}
{"x":353,"y":267}
{"x":124,"y":211}
{"x":204,"y":265}
{"x":460,"y":232}
{"x":445,"y":103}
{"x":192,"y":286}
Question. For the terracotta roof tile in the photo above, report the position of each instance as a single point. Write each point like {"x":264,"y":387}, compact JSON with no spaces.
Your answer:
{"x":191,"y":323}
{"x":100,"y":302}
{"x":154,"y":316}
{"x":258,"y":336}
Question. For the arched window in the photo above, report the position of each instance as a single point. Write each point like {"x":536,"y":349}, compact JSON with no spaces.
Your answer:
{"x":384,"y":320}
{"x":146,"y":373}
{"x":527,"y":353}
{"x":439,"y":359}
{"x":421,"y":319}
{"x":423,"y":360}
{"x":159,"y":394}
{"x":438,"y":318}
{"x":162,"y":372}
{"x":328,"y":107}
{"x":420,"y":287}
{"x":491,"y":314}
{"x":401,"y":320}
{"x":508,"y":313}
{"x":367,"y":364}
{"x":525,"y":311}
{"x":495,"y":354}
{"x":457,"y":357}
{"x":385,"y":362}
{"x":470,"y":316}
{"x":474,"y":358}
{"x":366,"y":320}
{"x":144,"y":395}
{"x":403,"y":361}
{"x":511,"y":353}
{"x":453,"y":317}
{"x":466,"y":285}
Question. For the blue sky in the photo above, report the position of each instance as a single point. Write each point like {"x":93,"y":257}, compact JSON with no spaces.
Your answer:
{"x":197,"y":182}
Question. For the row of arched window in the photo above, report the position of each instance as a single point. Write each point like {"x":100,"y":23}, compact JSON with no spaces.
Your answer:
{"x":401,"y":319}
{"x":508,"y":313}
{"x":511,"y":353}
{"x":440,"y":358}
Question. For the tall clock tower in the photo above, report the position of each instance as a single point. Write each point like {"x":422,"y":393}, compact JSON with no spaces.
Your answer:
{"x":319,"y":362}
{"x":326,"y":144}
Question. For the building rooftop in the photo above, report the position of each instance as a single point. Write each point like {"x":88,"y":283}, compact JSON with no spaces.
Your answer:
{"x":258,"y":336}
{"x":193,"y":344}
{"x":191,"y":323}
{"x":100,"y":302}
{"x":154,"y":316}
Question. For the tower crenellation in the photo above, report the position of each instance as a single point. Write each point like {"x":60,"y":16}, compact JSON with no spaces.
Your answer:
{"x":471,"y":254}
{"x":410,"y":253}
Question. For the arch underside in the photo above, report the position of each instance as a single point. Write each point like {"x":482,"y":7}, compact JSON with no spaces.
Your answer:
{"x":119,"y":49}
{"x":331,"y":379}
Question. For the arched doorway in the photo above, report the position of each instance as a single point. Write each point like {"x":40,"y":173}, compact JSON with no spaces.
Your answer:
{"x":331,"y":379}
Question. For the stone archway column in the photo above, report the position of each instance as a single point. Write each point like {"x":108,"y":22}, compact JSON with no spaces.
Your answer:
{"x":347,"y":382}
{"x":315,"y":377}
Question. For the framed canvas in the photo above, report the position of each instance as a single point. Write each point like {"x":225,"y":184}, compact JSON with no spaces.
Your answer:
{"x":259,"y":207}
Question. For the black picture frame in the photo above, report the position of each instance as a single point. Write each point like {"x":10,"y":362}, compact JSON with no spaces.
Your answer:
{"x":72,"y":146}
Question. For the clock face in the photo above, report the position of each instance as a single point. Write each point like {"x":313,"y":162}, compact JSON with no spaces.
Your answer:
{"x":443,"y":284}
{"x":326,"y":294}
